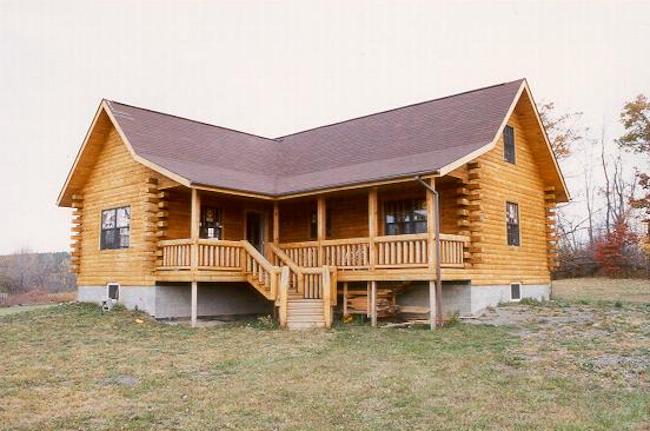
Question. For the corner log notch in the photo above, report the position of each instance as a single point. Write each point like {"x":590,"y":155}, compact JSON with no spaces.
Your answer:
{"x":550,"y":205}
{"x":160,"y":216}
{"x":77,"y":227}
{"x":150,"y":196}
{"x":470,"y":213}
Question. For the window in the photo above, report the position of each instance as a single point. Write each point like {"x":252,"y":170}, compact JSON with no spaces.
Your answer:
{"x":405,"y":216}
{"x":115,"y":228}
{"x":515,"y":292}
{"x":113,"y":291}
{"x":509,"y":144}
{"x":211,"y":226}
{"x":313,"y":224}
{"x":512,"y":223}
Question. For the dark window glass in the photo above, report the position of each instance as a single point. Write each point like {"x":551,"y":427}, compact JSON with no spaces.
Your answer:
{"x":515,"y":291}
{"x":114,"y":291}
{"x":509,"y":144}
{"x":512,"y":223}
{"x":115,"y":229}
{"x":405,"y":216}
{"x":313,"y":224}
{"x":211,"y":225}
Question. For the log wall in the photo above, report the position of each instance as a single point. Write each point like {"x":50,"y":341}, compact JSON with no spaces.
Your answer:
{"x":521,"y":183}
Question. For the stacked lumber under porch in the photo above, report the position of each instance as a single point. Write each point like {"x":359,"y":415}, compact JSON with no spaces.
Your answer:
{"x":358,"y":301}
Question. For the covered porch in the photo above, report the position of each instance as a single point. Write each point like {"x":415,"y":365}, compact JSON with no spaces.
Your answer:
{"x":373,"y":234}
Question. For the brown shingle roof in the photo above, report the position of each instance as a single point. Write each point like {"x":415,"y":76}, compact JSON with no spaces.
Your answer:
{"x":419,"y":138}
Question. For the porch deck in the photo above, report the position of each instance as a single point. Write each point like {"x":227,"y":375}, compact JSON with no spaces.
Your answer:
{"x":390,"y":257}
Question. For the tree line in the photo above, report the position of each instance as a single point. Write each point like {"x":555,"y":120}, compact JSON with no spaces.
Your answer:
{"x":610,"y":235}
{"x":24,"y":272}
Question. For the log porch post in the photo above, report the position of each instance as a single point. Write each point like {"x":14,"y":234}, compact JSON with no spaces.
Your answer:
{"x":435,"y":291}
{"x":276,"y":223}
{"x":373,"y":303}
{"x":194,"y":234}
{"x":321,"y":231}
{"x":372,"y":227}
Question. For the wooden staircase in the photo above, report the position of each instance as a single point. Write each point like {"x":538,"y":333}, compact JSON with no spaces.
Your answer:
{"x":305,"y":313}
{"x":260,"y":273}
{"x":305,"y":297}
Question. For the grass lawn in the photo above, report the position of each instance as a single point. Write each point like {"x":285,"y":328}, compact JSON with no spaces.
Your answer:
{"x":602,"y":289}
{"x":561,"y":365}
{"x":5,"y":311}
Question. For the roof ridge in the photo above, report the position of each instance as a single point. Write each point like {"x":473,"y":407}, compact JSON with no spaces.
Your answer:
{"x":190,"y":119}
{"x":280,"y":138}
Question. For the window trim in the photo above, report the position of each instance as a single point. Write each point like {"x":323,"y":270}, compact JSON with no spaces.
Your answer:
{"x":384,"y":225}
{"x":514,"y":145}
{"x":220,"y":216}
{"x":108,"y":291}
{"x":313,"y":224}
{"x":519,"y":284}
{"x":518,"y":224}
{"x":101,"y":227}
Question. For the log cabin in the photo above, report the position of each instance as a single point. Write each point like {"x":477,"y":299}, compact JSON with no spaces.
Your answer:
{"x":436,"y":208}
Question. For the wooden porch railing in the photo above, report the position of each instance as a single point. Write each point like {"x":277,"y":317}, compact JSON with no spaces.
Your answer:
{"x":306,"y":281}
{"x":221,"y":255}
{"x":391,"y":251}
{"x":452,"y":250}
{"x":402,"y":251}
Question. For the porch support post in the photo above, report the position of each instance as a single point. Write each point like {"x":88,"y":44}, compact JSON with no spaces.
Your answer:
{"x":372,"y":227}
{"x":345,"y":299}
{"x":431,"y":227}
{"x":194,"y":234}
{"x":276,"y":223}
{"x":194,"y":228}
{"x":194,"y":302}
{"x":433,"y":305}
{"x":433,"y":241}
{"x":373,"y":301}
{"x":321,"y":214}
{"x":368,"y":299}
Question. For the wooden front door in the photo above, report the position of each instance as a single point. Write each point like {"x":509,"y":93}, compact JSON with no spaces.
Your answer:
{"x":255,"y":230}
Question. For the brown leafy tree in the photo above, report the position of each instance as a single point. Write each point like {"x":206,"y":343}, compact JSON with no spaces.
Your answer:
{"x":636,"y":120}
{"x":562,"y":129}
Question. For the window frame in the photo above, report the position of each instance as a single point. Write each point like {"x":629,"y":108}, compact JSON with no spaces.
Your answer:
{"x":506,"y":154}
{"x":519,"y":288}
{"x":418,"y":203}
{"x":313,"y":224}
{"x":203,"y":223}
{"x":116,"y":229}
{"x":508,"y":224}
{"x":108,"y":291}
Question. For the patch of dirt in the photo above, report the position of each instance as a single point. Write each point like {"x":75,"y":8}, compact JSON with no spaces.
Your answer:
{"x":121,"y":380}
{"x":608,"y":345}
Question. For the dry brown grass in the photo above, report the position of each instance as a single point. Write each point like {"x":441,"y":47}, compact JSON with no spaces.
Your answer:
{"x":36,"y":297}
{"x":602,"y":289}
{"x":563,"y":367}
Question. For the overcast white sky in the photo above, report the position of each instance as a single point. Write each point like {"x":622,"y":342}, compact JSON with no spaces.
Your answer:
{"x":272,"y":68}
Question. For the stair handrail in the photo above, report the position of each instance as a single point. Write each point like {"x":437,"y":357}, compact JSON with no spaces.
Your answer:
{"x":327,"y":291}
{"x":285,"y":258}
{"x":283,"y":296}
{"x":265,"y":264}
{"x":259,"y":257}
{"x":293,"y":266}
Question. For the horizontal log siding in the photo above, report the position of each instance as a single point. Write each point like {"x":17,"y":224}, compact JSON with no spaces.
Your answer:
{"x":448,"y":208}
{"x":349,"y":216}
{"x":295,"y":220}
{"x":115,"y":180}
{"x":520,"y":183}
{"x":233,"y":214}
